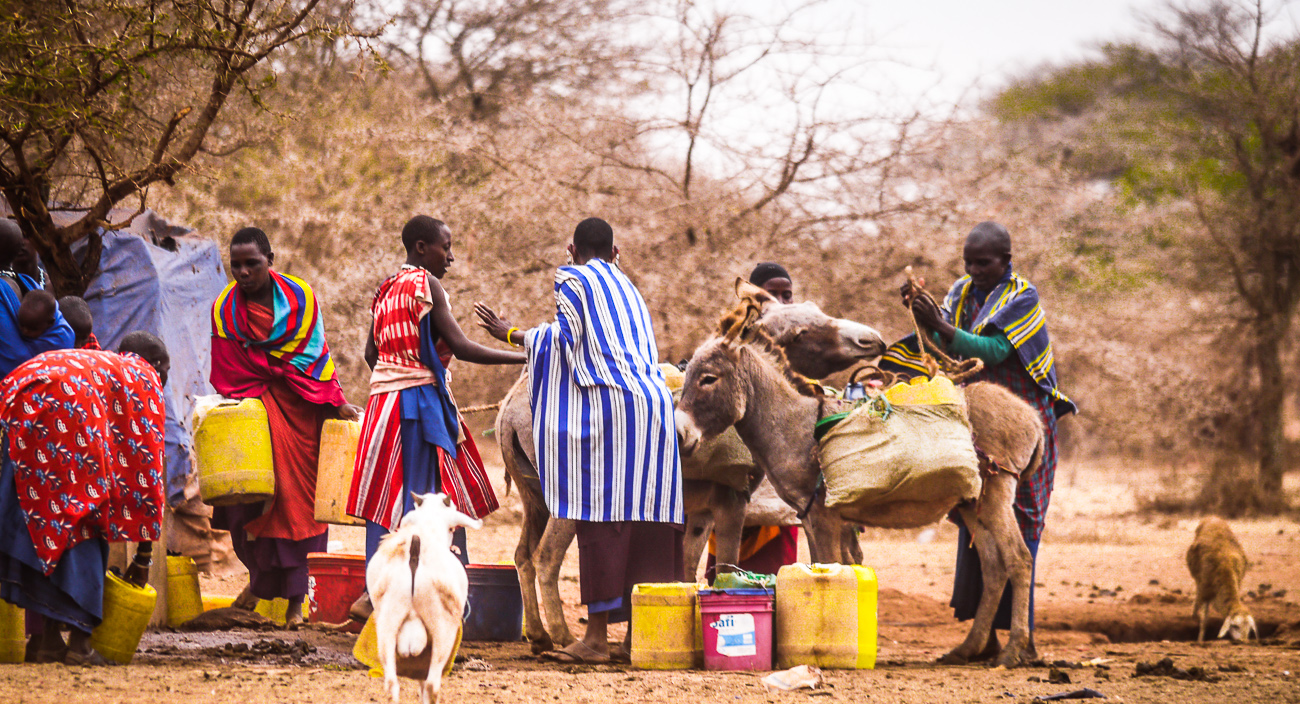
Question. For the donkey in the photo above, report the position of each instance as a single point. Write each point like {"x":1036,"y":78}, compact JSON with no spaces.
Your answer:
{"x":749,"y":385}
{"x":817,"y":344}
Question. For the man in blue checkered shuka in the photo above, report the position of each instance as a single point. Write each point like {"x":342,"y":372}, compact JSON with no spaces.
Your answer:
{"x":993,"y":314}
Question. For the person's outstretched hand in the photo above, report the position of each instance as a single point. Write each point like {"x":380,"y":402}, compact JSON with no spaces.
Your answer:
{"x":495,"y":325}
{"x":349,"y":411}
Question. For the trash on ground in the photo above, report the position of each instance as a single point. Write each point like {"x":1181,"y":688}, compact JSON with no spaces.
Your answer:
{"x":800,"y":677}
{"x":1084,"y":693}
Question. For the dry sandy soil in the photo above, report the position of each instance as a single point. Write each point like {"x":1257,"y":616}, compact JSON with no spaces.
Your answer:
{"x":1113,"y":591}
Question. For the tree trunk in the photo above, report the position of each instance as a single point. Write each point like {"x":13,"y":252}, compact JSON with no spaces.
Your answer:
{"x":1269,"y":407}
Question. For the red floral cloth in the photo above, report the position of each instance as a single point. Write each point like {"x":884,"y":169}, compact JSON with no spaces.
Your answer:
{"x":85,"y":435}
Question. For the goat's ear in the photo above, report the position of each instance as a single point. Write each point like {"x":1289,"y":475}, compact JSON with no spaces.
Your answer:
{"x":459,"y":519}
{"x":419,"y":500}
{"x":446,"y":500}
{"x":1227,"y":624}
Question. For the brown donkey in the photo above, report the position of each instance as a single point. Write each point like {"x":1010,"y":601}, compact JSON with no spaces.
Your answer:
{"x":747,"y":385}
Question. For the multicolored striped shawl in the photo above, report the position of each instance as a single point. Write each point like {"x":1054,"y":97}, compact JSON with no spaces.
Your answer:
{"x":602,"y":415}
{"x":297,"y":332}
{"x":1011,"y":307}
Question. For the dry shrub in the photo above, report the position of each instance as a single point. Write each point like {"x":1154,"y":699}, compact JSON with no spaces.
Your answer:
{"x":1142,"y":340}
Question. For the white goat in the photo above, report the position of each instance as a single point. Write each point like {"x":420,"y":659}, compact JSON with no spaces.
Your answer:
{"x":1218,"y":563}
{"x":419,"y":588}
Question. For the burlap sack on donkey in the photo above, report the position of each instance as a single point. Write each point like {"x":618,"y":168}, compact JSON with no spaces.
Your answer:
{"x":901,"y":465}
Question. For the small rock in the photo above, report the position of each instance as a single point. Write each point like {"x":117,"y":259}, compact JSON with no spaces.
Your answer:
{"x":1055,"y":676}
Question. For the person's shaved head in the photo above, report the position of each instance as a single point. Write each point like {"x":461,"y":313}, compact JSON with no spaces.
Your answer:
{"x":12,"y":242}
{"x":77,"y":313}
{"x":594,"y":237}
{"x":151,"y":349}
{"x":36,"y":313}
{"x":422,"y":228}
{"x":991,"y":237}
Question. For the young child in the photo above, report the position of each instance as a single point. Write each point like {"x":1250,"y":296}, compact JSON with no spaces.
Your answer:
{"x":36,"y":314}
{"x":77,"y":313}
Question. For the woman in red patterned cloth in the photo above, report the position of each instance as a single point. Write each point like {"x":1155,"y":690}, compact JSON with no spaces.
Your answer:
{"x":413,"y":438}
{"x":268,"y":342}
{"x":83,"y":465}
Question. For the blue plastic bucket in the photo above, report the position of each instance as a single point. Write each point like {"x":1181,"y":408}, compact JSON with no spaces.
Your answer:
{"x":496,"y":608}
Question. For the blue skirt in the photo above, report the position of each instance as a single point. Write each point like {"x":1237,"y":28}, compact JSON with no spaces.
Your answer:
{"x":73,"y":593}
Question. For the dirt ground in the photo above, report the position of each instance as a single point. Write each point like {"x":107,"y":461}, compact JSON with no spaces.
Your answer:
{"x":1112,"y":592}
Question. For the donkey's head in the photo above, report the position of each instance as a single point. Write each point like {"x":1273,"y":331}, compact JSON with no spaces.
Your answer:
{"x":725,"y":377}
{"x":714,"y":394}
{"x":816,"y":344}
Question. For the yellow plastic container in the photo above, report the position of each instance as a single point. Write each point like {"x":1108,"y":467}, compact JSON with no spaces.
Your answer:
{"x":673,"y":376}
{"x":127,"y":609}
{"x":217,"y":602}
{"x":184,"y":600}
{"x":13,"y":633}
{"x":277,"y":609}
{"x":919,"y":391}
{"x":665,"y":627}
{"x":232,"y":445}
{"x":338,"y":454}
{"x":826,"y":616}
{"x":366,"y":650}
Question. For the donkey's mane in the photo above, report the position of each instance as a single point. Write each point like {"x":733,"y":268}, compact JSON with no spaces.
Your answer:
{"x":761,"y":342}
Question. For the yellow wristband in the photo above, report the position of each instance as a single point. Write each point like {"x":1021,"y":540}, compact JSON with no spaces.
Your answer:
{"x":510,"y":333}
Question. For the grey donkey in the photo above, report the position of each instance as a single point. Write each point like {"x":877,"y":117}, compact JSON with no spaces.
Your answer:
{"x":729,"y":382}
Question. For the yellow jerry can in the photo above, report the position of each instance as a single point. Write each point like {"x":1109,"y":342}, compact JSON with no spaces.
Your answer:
{"x":184,"y":600}
{"x":127,"y":609}
{"x":665,"y":627}
{"x":338,"y":454}
{"x":232,"y":445}
{"x":826,"y":616}
{"x":13,"y":633}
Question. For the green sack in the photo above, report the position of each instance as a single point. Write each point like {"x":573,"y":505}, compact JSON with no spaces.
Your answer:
{"x":744,"y":580}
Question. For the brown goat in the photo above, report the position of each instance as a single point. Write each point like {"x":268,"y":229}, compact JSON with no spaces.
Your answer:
{"x":1218,"y":563}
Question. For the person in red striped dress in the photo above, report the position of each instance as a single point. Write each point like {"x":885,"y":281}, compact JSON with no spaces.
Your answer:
{"x":413,"y":438}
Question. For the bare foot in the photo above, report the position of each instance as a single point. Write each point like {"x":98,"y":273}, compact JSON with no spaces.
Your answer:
{"x":245,"y":601}
{"x":578,"y":653}
{"x":361,"y":608}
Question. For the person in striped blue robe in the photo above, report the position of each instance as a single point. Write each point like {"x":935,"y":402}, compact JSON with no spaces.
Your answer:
{"x":605,"y":438}
{"x":994,"y":314}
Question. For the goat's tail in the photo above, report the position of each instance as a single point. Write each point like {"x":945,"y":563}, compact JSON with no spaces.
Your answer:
{"x":412,"y":636}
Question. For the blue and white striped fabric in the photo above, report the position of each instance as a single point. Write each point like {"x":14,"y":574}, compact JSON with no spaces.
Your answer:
{"x":602,"y":415}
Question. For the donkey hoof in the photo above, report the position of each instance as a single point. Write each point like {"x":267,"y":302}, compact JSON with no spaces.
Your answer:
{"x":1012,"y":657}
{"x":954,"y":658}
{"x":541,"y":645}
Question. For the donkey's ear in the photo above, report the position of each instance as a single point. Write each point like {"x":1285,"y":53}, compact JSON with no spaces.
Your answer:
{"x":738,"y":323}
{"x":746,"y":291}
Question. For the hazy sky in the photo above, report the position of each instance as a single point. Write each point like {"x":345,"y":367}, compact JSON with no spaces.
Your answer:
{"x":967,"y":40}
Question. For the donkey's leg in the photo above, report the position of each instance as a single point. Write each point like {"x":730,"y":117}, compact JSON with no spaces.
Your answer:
{"x":824,"y":529}
{"x":1016,"y":564}
{"x":729,"y":523}
{"x":549,"y":557}
{"x":850,"y":548}
{"x":994,"y":580}
{"x":536,"y":518}
{"x":699,"y":526}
